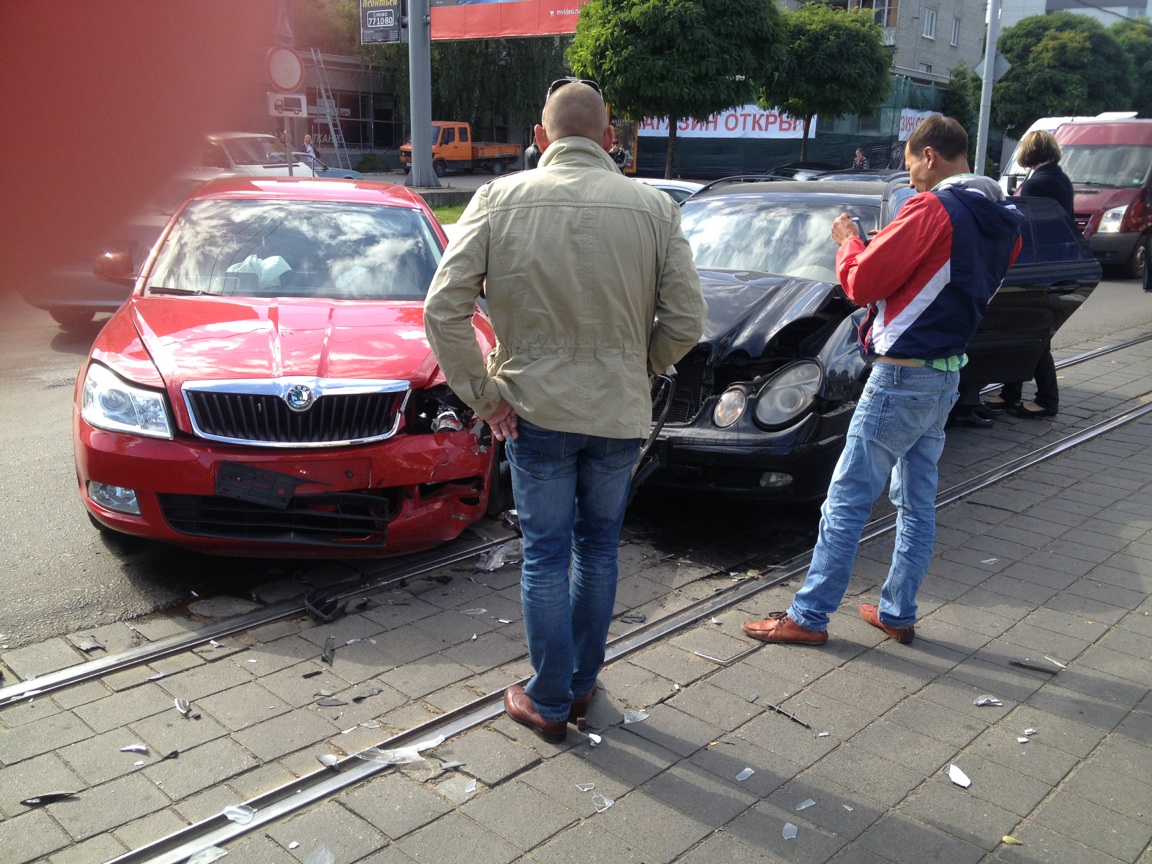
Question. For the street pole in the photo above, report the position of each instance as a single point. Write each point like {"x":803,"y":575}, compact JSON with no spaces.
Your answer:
{"x":420,"y":93}
{"x":986,"y":86}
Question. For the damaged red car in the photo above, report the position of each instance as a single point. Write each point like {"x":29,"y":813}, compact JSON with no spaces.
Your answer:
{"x":268,"y":389}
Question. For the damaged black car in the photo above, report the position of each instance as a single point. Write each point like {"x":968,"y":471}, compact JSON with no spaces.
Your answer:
{"x":761,"y":406}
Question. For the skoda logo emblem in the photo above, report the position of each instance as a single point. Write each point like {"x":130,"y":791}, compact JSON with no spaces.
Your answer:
{"x":299,"y":397}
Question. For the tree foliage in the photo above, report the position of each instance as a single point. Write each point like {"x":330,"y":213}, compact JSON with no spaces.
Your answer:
{"x":835,"y":64}
{"x":1061,"y":64}
{"x":680,"y":59}
{"x":1135,"y":40}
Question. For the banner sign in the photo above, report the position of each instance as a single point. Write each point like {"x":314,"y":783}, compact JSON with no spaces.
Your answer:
{"x":379,"y":21}
{"x":748,"y":121}
{"x":490,"y":19}
{"x":910,"y":118}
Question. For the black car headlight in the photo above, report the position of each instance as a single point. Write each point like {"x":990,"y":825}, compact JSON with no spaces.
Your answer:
{"x":109,"y":402}
{"x":729,"y":407}
{"x":788,"y":393}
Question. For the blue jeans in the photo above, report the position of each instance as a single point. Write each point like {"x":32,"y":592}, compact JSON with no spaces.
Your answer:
{"x":571,"y":492}
{"x":898,"y":430}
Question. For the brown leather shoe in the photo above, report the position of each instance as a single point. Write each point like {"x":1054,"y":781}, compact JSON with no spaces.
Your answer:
{"x":778,"y":627}
{"x":903,"y":635}
{"x":520,"y":708}
{"x":579,"y":710}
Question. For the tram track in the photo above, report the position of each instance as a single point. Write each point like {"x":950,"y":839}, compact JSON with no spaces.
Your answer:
{"x":299,"y":794}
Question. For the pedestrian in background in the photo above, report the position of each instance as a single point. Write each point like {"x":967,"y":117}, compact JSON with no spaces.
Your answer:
{"x":308,"y":148}
{"x":1040,"y":152}
{"x":591,"y":289}
{"x":926,"y":278}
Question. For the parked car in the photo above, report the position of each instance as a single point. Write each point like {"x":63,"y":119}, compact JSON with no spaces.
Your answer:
{"x":318,"y":168}
{"x":268,"y":389}
{"x":247,"y":154}
{"x":799,"y":170}
{"x":761,"y":406}
{"x":677,"y":189}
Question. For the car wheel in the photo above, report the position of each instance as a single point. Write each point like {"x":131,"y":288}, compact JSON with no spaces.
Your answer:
{"x":440,"y":167}
{"x":1139,"y":259}
{"x":496,"y":168}
{"x":71,"y":319}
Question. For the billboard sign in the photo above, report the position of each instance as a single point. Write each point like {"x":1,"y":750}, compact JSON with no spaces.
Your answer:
{"x":747,"y":121}
{"x":910,"y":118}
{"x":490,"y":19}
{"x":379,"y":21}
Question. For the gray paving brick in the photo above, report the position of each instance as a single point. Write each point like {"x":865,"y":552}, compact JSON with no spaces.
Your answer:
{"x":630,"y":758}
{"x":1075,"y":706}
{"x":95,"y":850}
{"x":31,"y":836}
{"x":1013,"y":584}
{"x":416,"y":680}
{"x":29,"y":710}
{"x":1034,"y":759}
{"x":489,"y":650}
{"x":99,"y":759}
{"x":1036,"y":642}
{"x":242,"y":706}
{"x":46,"y":773}
{"x":200,"y":768}
{"x":648,"y":824}
{"x":902,"y":840}
{"x":47,"y":734}
{"x":520,"y":814}
{"x":490,"y":757}
{"x":926,"y":717}
{"x":949,"y":809}
{"x":31,"y":661}
{"x":204,"y":680}
{"x":79,"y":694}
{"x":837,"y":810}
{"x":109,"y":806}
{"x":284,"y":734}
{"x":395,"y":804}
{"x":205,"y":804}
{"x":700,"y":794}
{"x":762,"y":828}
{"x":631,"y":686}
{"x":722,"y":849}
{"x":347,"y":836}
{"x":707,"y":702}
{"x":677,"y":661}
{"x":148,"y":829}
{"x":456,"y":839}
{"x":917,"y":752}
{"x":260,"y":849}
{"x":999,"y":785}
{"x":1118,"y":792}
{"x":867,"y":774}
{"x":728,"y":757}
{"x":991,"y":673}
{"x":674,"y":730}
{"x":788,"y":740}
{"x":584,"y":842}
{"x":1050,"y":847}
{"x":127,"y":706}
{"x":1095,"y":826}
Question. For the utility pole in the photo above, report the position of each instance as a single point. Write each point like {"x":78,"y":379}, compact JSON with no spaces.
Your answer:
{"x":420,"y":93}
{"x":987,"y":80}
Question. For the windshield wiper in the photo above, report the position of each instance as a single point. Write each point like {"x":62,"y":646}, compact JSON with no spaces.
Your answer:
{"x":160,"y":289}
{"x":1095,"y":183}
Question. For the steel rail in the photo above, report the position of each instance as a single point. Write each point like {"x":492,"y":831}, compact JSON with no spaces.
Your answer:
{"x":292,"y":797}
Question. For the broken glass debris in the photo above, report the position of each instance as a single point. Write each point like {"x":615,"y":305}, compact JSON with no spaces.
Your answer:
{"x":744,"y":775}
{"x":633,"y":716}
{"x":594,"y":739}
{"x":632,"y":618}
{"x":601,"y":803}
{"x":1022,"y":740}
{"x":89,"y":643}
{"x":329,"y":653}
{"x":805,"y":804}
{"x":135,"y":748}
{"x":986,"y":700}
{"x":241,"y":814}
{"x":958,"y":777}
{"x":822,"y":734}
{"x":790,"y":831}
{"x":1029,"y":731}
{"x":329,"y":760}
{"x":331,"y":703}
{"x":585,"y":787}
{"x":367,"y":694}
{"x":208,"y":855}
{"x":320,"y":854}
{"x":186,"y":709}
{"x":752,"y":698}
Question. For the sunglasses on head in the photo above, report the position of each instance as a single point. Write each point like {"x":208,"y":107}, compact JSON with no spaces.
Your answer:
{"x":556,"y":85}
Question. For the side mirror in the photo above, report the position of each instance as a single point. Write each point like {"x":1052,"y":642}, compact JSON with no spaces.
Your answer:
{"x":115,"y":267}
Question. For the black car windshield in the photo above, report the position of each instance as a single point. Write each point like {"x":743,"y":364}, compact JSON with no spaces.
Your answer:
{"x":325,"y":249}
{"x":1123,"y":166}
{"x":788,"y":237}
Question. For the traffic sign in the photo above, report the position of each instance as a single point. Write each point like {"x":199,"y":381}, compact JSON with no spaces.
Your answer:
{"x":285,"y":69}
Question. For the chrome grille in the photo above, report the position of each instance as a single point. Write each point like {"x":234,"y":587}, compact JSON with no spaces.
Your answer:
{"x":341,"y":412}
{"x":693,"y":385}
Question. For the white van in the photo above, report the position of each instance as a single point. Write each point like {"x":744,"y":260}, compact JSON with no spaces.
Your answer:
{"x":249,"y":154}
{"x":1014,"y":174}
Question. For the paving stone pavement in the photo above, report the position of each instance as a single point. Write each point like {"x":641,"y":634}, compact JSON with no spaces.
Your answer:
{"x":1052,"y":562}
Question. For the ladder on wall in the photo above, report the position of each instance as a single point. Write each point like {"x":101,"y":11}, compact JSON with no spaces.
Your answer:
{"x":330,"y":111}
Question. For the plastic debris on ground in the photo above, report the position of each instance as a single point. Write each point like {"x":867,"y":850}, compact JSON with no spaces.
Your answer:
{"x":186,"y":709}
{"x":329,"y":760}
{"x":1022,"y":740}
{"x":89,"y":643}
{"x":594,"y":739}
{"x":744,"y":775}
{"x":632,"y":618}
{"x":399,"y":755}
{"x":986,"y":700}
{"x":790,"y":831}
{"x":367,"y":694}
{"x":601,"y":803}
{"x":241,"y":814}
{"x":329,"y":653}
{"x":477,"y":611}
{"x":585,"y":787}
{"x":208,"y":855}
{"x":135,"y":748}
{"x":805,"y":804}
{"x":507,"y":553}
{"x":633,"y":716}
{"x":822,"y":734}
{"x":1011,"y":841}
{"x":1029,"y":731}
{"x":958,"y":777}
{"x":331,"y":703}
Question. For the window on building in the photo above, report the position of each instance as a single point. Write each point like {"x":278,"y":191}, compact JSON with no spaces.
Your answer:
{"x":929,"y":24}
{"x":955,"y":31}
{"x":883,"y":11}
{"x":926,"y":67}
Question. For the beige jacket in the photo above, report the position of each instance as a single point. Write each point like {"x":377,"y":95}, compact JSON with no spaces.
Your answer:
{"x":590,"y":286}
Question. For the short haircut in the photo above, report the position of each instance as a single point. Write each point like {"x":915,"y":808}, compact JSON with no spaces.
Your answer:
{"x":1037,"y":147}
{"x":575,"y":109}
{"x":943,"y":134}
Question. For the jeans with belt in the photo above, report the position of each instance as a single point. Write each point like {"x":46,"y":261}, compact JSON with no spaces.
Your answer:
{"x":897,"y":431}
{"x":571,"y":491}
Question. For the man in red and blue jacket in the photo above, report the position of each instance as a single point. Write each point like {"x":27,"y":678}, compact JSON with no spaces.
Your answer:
{"x":926,"y":279}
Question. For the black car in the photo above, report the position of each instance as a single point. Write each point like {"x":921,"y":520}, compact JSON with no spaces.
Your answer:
{"x":762,"y":404}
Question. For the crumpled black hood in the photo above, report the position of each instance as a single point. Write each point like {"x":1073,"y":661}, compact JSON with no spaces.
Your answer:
{"x":747,"y":309}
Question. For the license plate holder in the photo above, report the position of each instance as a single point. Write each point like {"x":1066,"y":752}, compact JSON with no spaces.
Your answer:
{"x":255,"y":485}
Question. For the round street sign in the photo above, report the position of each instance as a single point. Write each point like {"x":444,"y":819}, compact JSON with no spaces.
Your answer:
{"x":285,"y":69}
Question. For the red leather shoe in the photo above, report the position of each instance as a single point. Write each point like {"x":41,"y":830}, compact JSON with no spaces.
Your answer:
{"x":779,"y":628}
{"x":871,"y":614}
{"x":579,"y":710}
{"x":520,"y":708}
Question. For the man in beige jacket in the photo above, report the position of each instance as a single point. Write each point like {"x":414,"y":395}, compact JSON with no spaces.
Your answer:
{"x":591,"y":289}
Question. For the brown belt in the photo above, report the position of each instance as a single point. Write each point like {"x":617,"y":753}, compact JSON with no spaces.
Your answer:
{"x":900,"y":361}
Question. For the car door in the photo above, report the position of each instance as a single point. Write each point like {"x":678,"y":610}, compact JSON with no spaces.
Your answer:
{"x":1053,"y":275}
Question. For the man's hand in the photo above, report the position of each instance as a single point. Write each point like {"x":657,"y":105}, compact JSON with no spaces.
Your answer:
{"x":503,"y":422}
{"x":843,"y":229}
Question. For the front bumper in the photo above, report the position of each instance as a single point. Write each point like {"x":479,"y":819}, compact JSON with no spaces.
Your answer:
{"x":1114,"y":250}
{"x":402,"y":495}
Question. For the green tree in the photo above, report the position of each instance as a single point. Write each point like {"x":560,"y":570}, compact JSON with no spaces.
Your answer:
{"x":680,"y":59}
{"x":1061,"y":64}
{"x":836,"y":64}
{"x":1135,"y":40}
{"x":962,"y":101}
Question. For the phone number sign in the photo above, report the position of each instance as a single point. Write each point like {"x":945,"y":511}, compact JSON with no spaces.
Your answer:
{"x":379,"y":22}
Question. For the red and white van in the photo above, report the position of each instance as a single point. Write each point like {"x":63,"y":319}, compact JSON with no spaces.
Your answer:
{"x":1110,"y":166}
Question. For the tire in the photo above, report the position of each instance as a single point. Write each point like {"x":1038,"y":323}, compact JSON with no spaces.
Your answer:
{"x":1139,"y":260}
{"x":70,"y":318}
{"x":496,"y":168}
{"x":440,"y":167}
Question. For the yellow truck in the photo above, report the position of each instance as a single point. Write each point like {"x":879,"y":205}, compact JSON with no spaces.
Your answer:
{"x":454,"y":150}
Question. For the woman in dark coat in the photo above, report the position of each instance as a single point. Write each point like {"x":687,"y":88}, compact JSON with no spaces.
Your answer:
{"x":1040,"y":152}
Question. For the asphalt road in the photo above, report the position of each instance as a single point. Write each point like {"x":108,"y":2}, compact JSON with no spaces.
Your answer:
{"x":59,"y":575}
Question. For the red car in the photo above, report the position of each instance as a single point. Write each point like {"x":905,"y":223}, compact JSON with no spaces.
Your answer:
{"x":268,"y":389}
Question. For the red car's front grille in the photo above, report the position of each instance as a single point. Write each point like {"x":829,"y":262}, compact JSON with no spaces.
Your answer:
{"x":314,"y":520}
{"x":265,"y":419}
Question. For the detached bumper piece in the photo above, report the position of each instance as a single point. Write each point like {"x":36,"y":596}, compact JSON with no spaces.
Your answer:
{"x":335,"y":519}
